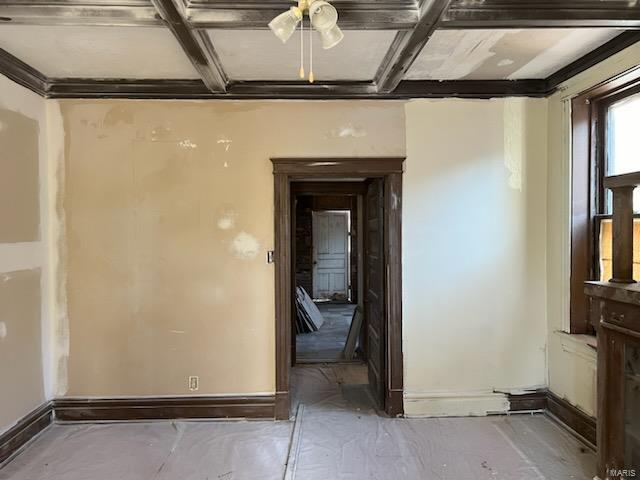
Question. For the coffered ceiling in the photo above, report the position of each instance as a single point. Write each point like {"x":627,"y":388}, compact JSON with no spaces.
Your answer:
{"x":391,"y":49}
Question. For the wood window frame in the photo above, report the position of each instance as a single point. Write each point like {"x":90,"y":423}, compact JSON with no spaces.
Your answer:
{"x":285,"y":172}
{"x":588,"y":130}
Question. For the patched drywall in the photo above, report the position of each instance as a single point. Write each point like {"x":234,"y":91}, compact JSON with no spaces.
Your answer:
{"x":19,"y":180}
{"x":25,"y":333}
{"x":504,"y":53}
{"x":168,"y":210}
{"x":572,"y":358}
{"x":474,"y":277}
{"x":20,"y":349}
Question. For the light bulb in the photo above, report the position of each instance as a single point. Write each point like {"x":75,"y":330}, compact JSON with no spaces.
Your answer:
{"x":324,"y":16}
{"x":332,"y":37}
{"x":285,"y":24}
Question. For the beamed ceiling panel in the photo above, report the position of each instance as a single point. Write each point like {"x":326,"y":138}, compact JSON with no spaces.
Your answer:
{"x":259,"y":55}
{"x":391,"y":49}
{"x":98,"y":52}
{"x":504,"y":54}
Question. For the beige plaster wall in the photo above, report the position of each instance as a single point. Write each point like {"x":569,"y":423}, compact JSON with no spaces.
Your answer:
{"x":23,"y":253}
{"x":572,"y":361}
{"x":474,"y":222}
{"x":168,"y":211}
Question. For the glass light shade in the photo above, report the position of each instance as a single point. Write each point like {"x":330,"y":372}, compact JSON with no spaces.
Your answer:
{"x":285,"y":24}
{"x":324,"y":16}
{"x":331,"y":37}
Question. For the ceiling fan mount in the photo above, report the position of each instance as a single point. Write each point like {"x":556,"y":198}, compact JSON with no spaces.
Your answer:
{"x":323,"y":17}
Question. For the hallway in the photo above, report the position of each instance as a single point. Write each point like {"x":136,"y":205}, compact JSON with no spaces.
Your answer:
{"x":327,"y":344}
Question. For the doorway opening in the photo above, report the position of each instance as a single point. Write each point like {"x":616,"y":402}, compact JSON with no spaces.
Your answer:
{"x":337,"y":254}
{"x":326,"y":247}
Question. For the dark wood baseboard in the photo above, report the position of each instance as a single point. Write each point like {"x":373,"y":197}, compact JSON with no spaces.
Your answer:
{"x":282,"y":404}
{"x":527,"y":402}
{"x":576,"y":420}
{"x":27,"y":428}
{"x":266,"y":406}
{"x":395,"y":403}
{"x":163,"y":408}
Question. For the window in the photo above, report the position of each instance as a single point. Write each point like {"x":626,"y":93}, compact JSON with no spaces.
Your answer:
{"x":606,"y":141}
{"x":621,"y":154}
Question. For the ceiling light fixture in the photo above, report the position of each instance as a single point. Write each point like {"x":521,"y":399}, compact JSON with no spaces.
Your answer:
{"x":323,"y":18}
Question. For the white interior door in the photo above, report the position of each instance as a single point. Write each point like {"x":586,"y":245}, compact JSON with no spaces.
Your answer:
{"x":330,"y":255}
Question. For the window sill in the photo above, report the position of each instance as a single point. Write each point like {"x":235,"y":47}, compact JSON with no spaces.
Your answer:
{"x":588,"y":344}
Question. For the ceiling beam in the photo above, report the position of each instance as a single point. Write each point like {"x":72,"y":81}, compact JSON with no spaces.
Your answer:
{"x":195,"y":89}
{"x":408,"y":45}
{"x":125,"y":13}
{"x":542,"y":14}
{"x":23,"y":74}
{"x":354,"y":15}
{"x":196,"y":46}
{"x":613,"y":46}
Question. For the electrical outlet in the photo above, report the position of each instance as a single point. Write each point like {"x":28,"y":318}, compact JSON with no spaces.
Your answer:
{"x":193,"y":383}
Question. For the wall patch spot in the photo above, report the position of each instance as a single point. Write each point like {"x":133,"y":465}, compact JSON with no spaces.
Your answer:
{"x":226,"y":142}
{"x":505,"y":62}
{"x":348,"y":131}
{"x":160,"y":133}
{"x":187,"y":144}
{"x":245,"y":246}
{"x":227,"y":221}
{"x":226,"y":218}
{"x":3,"y":330}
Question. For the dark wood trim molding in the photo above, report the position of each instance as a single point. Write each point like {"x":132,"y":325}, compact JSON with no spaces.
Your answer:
{"x":22,"y":74}
{"x":125,"y":88}
{"x":527,"y":402}
{"x":354,"y":15}
{"x":267,"y":406}
{"x":27,"y":428}
{"x":122,"y":13}
{"x":576,"y":420}
{"x":328,"y":188}
{"x":613,"y":46}
{"x":572,"y":418}
{"x":586,"y":163}
{"x":285,"y":172}
{"x":157,"y":408}
{"x":195,"y":89}
{"x":339,"y":166}
{"x":196,"y":45}
{"x":492,"y":14}
{"x":471,"y":89}
{"x":407,"y":46}
{"x":187,"y":20}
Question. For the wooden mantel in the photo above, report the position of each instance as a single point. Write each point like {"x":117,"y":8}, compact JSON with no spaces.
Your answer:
{"x":615,"y":311}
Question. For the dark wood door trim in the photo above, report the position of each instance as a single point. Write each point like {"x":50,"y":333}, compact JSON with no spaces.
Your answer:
{"x":288,"y":170}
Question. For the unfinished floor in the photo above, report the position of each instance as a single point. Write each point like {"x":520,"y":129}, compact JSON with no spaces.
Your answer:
{"x":327,"y":344}
{"x":340,"y":437}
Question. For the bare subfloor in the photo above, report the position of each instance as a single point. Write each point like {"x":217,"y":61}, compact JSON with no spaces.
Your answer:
{"x":341,"y":437}
{"x":327,"y":343}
